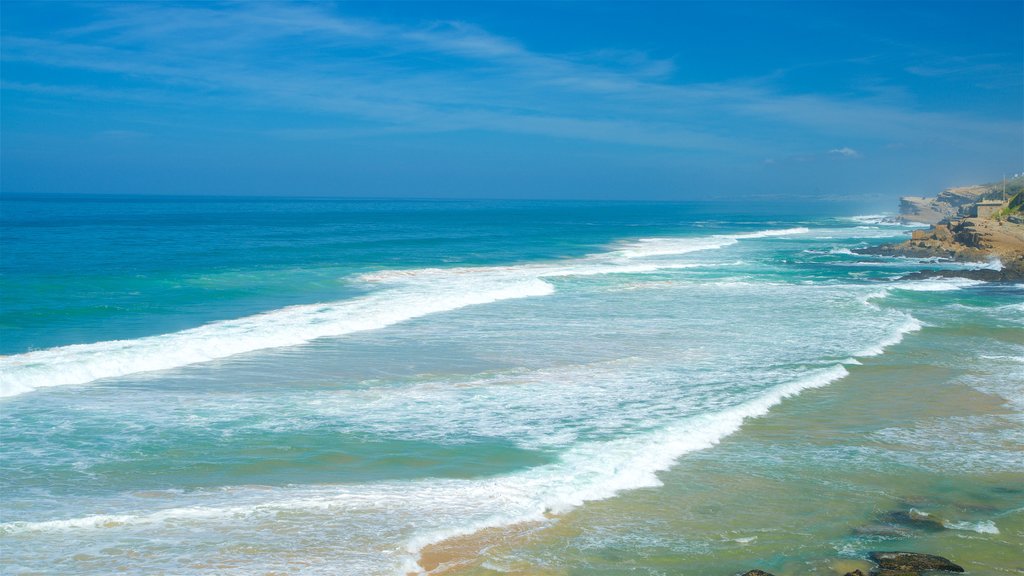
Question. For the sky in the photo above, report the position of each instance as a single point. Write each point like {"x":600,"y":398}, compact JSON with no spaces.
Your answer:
{"x":819,"y":101}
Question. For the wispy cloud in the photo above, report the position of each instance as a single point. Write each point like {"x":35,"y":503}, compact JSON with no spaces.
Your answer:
{"x":845,"y":152}
{"x":444,"y":76}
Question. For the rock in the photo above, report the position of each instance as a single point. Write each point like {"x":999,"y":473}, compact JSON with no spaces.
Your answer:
{"x":757,"y":573}
{"x":883,"y":531}
{"x":913,"y":519}
{"x":985,"y":275}
{"x":856,"y":572}
{"x":909,"y":563}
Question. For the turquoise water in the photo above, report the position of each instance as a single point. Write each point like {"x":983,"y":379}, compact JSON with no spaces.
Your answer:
{"x":238,"y":386}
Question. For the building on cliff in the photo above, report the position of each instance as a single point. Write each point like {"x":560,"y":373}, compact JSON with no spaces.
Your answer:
{"x":986,"y":208}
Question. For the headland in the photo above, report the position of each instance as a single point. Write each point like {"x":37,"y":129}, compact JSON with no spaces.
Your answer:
{"x":973,"y":224}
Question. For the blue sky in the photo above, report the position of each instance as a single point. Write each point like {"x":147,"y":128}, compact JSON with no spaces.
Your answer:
{"x":678,"y":100}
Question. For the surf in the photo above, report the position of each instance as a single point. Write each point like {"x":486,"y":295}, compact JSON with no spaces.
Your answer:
{"x":406,"y":294}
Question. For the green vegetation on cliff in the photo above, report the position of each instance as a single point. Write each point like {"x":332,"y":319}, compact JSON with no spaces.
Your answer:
{"x":1013,"y":208}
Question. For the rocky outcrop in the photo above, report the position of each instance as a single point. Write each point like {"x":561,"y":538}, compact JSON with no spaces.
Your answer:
{"x":957,"y":241}
{"x":895,"y":564}
{"x":966,"y":240}
{"x":913,"y":519}
{"x":909,"y":563}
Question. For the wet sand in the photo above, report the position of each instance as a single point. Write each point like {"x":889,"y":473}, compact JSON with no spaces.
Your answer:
{"x":809,"y":488}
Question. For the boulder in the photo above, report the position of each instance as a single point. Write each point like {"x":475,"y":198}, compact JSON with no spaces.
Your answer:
{"x":914,"y":519}
{"x":909,"y":563}
{"x":757,"y":573}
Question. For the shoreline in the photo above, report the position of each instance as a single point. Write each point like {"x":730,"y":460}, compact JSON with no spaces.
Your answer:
{"x":969,"y":240}
{"x":969,"y":224}
{"x":880,"y":509}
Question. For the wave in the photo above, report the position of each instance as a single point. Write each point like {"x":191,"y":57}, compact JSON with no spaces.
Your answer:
{"x":446,"y":508}
{"x":408,"y":294}
{"x":647,"y":247}
{"x":588,"y":472}
{"x":910,"y":324}
{"x":291,"y":326}
{"x":885,"y":220}
{"x":936,"y":284}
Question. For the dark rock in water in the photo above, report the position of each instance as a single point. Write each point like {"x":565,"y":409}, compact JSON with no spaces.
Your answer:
{"x":985,"y":275}
{"x":883,"y":531}
{"x":757,"y":573}
{"x":909,"y":563}
{"x":1007,"y":489}
{"x":913,"y":519}
{"x":856,"y":572}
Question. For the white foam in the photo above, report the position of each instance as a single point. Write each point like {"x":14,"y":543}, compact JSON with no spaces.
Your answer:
{"x":868,"y":299}
{"x":983,"y":527}
{"x":1013,"y":307}
{"x":295,"y":325}
{"x":910,"y":324}
{"x":1018,"y":359}
{"x":936,"y":284}
{"x":587,"y":472}
{"x":885,"y":220}
{"x":772,"y":233}
{"x":993,"y":264}
{"x":647,"y":247}
{"x":408,"y":294}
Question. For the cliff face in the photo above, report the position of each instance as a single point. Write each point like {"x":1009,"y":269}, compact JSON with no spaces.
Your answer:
{"x":924,"y":210}
{"x":959,"y":237}
{"x":954,"y":202}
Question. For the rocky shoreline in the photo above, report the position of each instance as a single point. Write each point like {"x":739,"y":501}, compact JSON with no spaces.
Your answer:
{"x":900,"y":523}
{"x":967,"y":239}
{"x":895,"y":564}
{"x":957,"y":233}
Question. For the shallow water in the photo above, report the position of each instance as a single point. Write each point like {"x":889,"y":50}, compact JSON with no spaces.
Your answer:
{"x":239,"y":387}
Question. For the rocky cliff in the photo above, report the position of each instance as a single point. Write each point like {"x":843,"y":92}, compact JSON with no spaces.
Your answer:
{"x":955,"y":236}
{"x":955,"y":202}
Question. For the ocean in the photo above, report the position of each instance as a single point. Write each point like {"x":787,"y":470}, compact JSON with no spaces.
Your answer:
{"x":325,"y":386}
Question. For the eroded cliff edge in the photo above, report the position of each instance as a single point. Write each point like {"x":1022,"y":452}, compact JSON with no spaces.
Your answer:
{"x":987,"y":228}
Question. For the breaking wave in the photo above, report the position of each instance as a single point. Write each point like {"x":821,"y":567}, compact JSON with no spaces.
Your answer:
{"x":408,"y":294}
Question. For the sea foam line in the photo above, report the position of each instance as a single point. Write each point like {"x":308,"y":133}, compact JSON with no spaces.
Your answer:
{"x":291,"y":326}
{"x":409,"y":294}
{"x":588,"y":472}
{"x":602,"y":470}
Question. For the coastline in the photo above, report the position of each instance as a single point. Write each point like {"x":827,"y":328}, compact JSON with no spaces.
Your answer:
{"x":830,"y":519}
{"x":970,"y":240}
{"x":463,"y":431}
{"x":983,"y":240}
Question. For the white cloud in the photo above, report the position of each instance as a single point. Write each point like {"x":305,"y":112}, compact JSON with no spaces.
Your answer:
{"x":845,"y":151}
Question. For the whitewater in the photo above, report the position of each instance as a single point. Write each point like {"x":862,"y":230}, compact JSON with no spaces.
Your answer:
{"x":422,"y":292}
{"x":437,"y":387}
